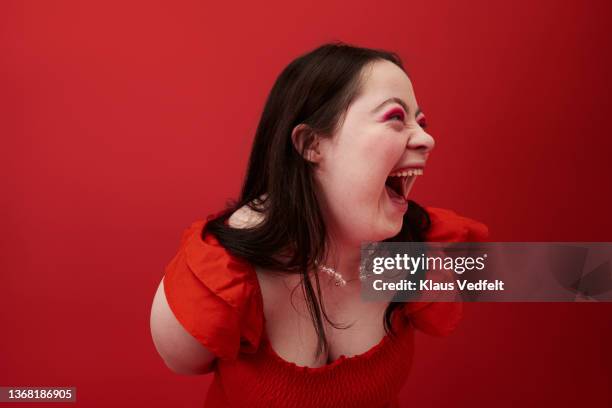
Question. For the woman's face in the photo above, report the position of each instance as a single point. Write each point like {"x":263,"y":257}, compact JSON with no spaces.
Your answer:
{"x":382,"y":131}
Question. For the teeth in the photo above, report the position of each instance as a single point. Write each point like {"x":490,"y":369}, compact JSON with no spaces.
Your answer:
{"x":409,"y":172}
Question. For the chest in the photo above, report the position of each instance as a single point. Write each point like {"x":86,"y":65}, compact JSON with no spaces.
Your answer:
{"x":290,"y":328}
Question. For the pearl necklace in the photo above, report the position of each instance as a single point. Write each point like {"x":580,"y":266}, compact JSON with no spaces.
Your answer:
{"x":338,"y":278}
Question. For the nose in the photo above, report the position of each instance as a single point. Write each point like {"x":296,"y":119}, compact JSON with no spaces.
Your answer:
{"x":421,"y":141}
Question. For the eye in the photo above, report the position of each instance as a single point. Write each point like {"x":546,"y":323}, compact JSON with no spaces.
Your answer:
{"x":395,"y":114}
{"x":422,"y":122}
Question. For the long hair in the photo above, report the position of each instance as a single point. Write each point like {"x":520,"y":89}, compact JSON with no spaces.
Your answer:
{"x":315,"y":89}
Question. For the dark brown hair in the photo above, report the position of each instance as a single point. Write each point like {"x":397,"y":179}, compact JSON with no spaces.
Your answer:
{"x":315,"y":89}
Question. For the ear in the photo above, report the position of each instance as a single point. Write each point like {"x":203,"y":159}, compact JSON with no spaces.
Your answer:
{"x":302,"y":135}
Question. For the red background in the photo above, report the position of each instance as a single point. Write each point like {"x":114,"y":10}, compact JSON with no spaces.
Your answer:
{"x":123,"y":122}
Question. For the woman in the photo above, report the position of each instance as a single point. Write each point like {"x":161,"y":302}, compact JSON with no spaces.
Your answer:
{"x":266,"y":294}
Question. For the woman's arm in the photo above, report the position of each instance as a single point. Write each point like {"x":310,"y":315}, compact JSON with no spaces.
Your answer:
{"x":181,"y":352}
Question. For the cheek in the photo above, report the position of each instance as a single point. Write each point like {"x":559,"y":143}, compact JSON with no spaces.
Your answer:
{"x":379,"y":158}
{"x":361,"y":175}
{"x":360,"y":163}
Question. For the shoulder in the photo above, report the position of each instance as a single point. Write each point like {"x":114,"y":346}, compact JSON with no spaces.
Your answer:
{"x":448,"y":226}
{"x":245,"y":217}
{"x":213,"y":294}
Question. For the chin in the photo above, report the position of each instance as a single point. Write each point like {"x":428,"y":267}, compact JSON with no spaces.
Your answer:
{"x":397,"y":231}
{"x":392,"y":230}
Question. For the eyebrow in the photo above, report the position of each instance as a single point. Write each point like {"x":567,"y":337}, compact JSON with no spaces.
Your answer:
{"x":396,"y":100}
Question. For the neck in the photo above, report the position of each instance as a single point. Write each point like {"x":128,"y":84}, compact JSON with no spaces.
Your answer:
{"x":344,"y":258}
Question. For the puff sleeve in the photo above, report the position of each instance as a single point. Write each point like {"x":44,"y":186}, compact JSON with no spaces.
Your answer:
{"x":448,"y":226}
{"x":441,"y":318}
{"x":214,"y":295}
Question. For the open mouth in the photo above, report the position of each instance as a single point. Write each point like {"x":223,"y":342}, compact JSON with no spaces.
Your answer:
{"x":399,"y":183}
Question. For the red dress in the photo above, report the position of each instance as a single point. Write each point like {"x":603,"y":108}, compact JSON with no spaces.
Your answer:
{"x":216,"y":297}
